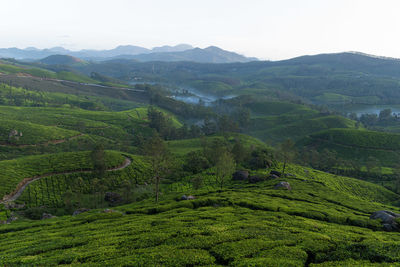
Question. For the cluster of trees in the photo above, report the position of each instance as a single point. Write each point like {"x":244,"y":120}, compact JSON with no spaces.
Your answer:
{"x":329,"y":161}
{"x":385,"y":118}
{"x":220,"y":154}
{"x":225,"y":156}
{"x":209,"y":126}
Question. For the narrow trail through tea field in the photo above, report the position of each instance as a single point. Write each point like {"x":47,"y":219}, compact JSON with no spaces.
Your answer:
{"x":26,"y":181}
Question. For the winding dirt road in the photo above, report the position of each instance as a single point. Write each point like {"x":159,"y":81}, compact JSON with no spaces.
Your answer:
{"x":25,"y":182}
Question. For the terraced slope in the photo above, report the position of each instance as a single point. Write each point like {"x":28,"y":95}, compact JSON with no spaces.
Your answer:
{"x":52,"y":130}
{"x":16,"y":170}
{"x":317,"y":223}
{"x":358,"y":144}
{"x":273,"y":122}
{"x":14,"y":132}
{"x":51,"y":189}
{"x":10,"y":68}
{"x":181,"y":147}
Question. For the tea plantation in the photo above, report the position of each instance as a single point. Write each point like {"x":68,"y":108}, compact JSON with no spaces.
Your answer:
{"x":353,"y":144}
{"x":317,"y":223}
{"x":91,"y":175}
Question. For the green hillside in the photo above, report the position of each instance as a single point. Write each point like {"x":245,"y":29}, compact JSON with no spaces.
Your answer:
{"x":14,"y":132}
{"x":53,"y":190}
{"x":332,"y":79}
{"x":182,"y":147}
{"x":62,"y":60}
{"x":317,"y":223}
{"x":7,"y":68}
{"x":14,"y":171}
{"x":95,"y":172}
{"x":358,"y":144}
{"x":51,"y":130}
{"x":273,"y":122}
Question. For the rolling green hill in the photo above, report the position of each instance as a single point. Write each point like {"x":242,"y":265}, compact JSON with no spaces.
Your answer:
{"x":182,"y":147}
{"x":323,"y":79}
{"x":14,"y":171}
{"x":70,"y":129}
{"x":275,"y":121}
{"x":89,"y":152}
{"x":61,"y":60}
{"x":358,"y":145}
{"x":25,"y":133}
{"x":317,"y":223}
{"x":7,"y":67}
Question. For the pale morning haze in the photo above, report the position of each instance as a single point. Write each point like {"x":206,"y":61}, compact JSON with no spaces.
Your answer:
{"x":264,"y":29}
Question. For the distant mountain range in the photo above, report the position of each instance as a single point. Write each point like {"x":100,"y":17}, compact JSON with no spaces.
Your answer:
{"x":182,"y":52}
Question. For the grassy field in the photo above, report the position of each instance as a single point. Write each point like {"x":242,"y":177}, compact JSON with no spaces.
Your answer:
{"x":317,"y":223}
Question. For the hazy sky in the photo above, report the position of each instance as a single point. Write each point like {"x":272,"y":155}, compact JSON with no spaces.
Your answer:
{"x":261,"y":28}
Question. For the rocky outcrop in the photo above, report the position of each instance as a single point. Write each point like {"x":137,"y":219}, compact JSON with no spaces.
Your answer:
{"x":240,"y":175}
{"x":11,"y":218}
{"x":47,"y":216}
{"x":283,"y":185}
{"x":256,"y":178}
{"x":111,"y":211}
{"x":273,"y":176}
{"x":277,"y":173}
{"x":79,"y":211}
{"x":14,"y":134}
{"x":388,"y":219}
{"x":190,"y":197}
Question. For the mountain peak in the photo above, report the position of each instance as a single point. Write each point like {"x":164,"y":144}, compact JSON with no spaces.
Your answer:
{"x":176,"y":48}
{"x":213,"y":48}
{"x":61,"y":60}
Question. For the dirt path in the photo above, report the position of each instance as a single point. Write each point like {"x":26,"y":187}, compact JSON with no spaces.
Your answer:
{"x":25,"y":182}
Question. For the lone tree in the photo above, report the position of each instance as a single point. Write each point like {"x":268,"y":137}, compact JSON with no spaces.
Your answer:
{"x":286,"y":153}
{"x":160,"y":160}
{"x":224,"y":168}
